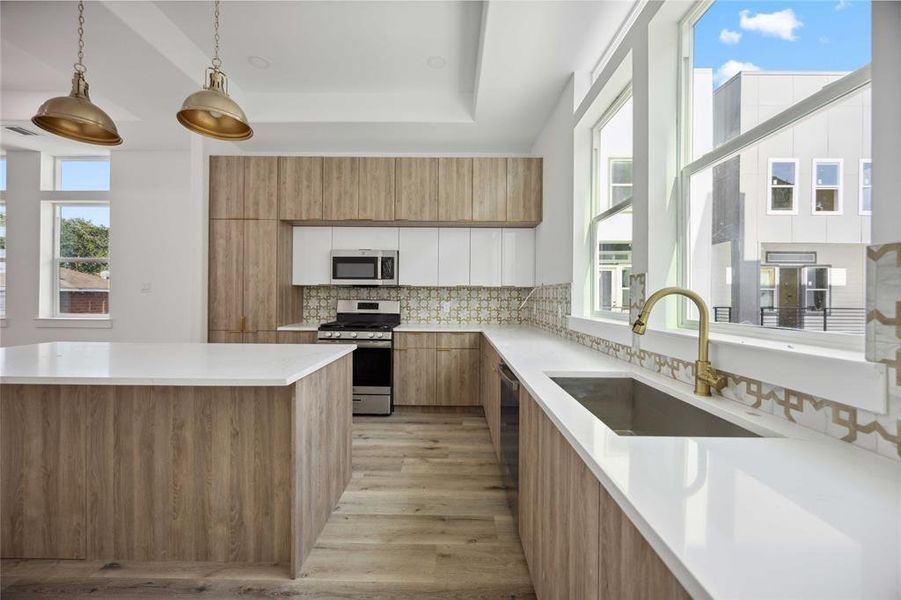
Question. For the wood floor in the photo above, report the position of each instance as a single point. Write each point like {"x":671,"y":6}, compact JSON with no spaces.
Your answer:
{"x":424,"y":516}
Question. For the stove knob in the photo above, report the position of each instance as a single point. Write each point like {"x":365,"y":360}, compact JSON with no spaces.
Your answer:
{"x":379,"y":335}
{"x":371,"y":335}
{"x":327,"y":334}
{"x":353,"y":335}
{"x":337,"y":334}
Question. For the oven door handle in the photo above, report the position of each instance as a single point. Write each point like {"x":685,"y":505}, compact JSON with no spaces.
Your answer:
{"x":359,"y":343}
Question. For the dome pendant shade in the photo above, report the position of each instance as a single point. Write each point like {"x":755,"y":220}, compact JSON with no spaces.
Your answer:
{"x":211,"y":112}
{"x":77,"y":118}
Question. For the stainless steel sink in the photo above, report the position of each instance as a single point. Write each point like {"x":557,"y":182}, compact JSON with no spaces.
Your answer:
{"x":629,"y":407}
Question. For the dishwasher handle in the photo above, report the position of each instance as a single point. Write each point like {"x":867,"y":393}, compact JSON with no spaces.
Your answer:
{"x":508,"y":377}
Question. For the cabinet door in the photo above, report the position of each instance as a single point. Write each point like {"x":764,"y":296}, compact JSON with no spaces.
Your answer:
{"x":454,"y":189}
{"x":470,"y":340}
{"x":376,"y":189}
{"x":340,"y":188}
{"x":524,"y":181}
{"x":370,"y":238}
{"x":417,"y":189}
{"x":311,"y":262}
{"x":296,"y":337}
{"x":260,"y":337}
{"x":489,"y":189}
{"x":491,"y":393}
{"x":415,"y":377}
{"x":486,"y":247}
{"x":300,"y":188}
{"x":453,"y":256}
{"x":418,"y":257}
{"x":260,"y":187}
{"x":226,"y":274}
{"x":409,"y":341}
{"x":458,"y":377}
{"x":518,"y":257}
{"x":225,"y":337}
{"x":260,"y":269}
{"x":226,"y":187}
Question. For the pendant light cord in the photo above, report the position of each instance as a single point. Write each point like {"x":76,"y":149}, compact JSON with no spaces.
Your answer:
{"x":79,"y":66}
{"x":217,"y":62}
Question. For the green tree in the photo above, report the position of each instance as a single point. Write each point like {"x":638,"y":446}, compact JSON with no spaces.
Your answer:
{"x":80,"y":238}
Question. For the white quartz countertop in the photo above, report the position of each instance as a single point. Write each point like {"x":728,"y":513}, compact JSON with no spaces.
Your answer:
{"x":800,"y":515}
{"x":111,"y":363}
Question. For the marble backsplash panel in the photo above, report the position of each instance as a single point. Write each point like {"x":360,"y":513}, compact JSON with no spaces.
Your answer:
{"x":548,"y":308}
{"x":442,"y":305}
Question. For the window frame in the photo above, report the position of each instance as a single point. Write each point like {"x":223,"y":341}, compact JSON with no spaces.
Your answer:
{"x":610,"y":183}
{"x":598,"y":216}
{"x":774,"y":289}
{"x":687,"y":166}
{"x":3,"y":258}
{"x":815,"y":186}
{"x":770,"y":187}
{"x":57,"y":260}
{"x":58,"y":172}
{"x":828,"y":289}
{"x":861,"y":187}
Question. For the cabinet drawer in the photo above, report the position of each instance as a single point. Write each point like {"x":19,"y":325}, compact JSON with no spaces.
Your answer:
{"x":404,"y":341}
{"x":458,"y":340}
{"x":297,"y":337}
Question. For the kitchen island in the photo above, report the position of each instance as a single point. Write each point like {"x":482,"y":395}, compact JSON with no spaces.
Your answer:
{"x":172,"y":452}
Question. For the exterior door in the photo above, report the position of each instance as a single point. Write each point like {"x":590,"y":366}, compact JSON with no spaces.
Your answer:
{"x":790,"y":297}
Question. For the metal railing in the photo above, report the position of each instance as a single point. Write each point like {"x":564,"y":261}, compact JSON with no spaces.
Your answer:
{"x":840,"y":320}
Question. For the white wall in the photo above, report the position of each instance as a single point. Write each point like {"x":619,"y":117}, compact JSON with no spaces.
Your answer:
{"x":553,"y":238}
{"x":157,"y":238}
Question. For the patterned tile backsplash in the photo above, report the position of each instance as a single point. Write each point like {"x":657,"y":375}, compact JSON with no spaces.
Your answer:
{"x":442,"y":305}
{"x":548,"y":307}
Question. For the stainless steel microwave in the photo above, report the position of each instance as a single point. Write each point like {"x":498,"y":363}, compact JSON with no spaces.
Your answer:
{"x":364,"y":267}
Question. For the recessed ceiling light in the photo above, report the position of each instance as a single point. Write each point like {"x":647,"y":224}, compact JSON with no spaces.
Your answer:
{"x":258,"y":61}
{"x":436,"y":62}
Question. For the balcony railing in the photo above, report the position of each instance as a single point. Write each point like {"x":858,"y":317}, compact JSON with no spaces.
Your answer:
{"x":840,"y":320}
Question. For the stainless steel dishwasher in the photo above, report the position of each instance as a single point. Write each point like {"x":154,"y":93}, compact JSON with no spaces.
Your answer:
{"x":510,"y":436}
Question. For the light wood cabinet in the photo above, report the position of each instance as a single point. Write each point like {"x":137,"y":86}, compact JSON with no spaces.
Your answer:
{"x":491,"y":392}
{"x":377,"y":181}
{"x":455,"y":189}
{"x":300,"y":188}
{"x":524,"y":181}
{"x":489,"y":189}
{"x":226,"y":275}
{"x":226,"y":187}
{"x":259,"y":281}
{"x":577,"y":541}
{"x":260,"y":187}
{"x":260,"y":337}
{"x":340,"y":188}
{"x":225,"y":337}
{"x":437,"y":369}
{"x":415,"y":381}
{"x":416,"y":196}
{"x":296,"y":337}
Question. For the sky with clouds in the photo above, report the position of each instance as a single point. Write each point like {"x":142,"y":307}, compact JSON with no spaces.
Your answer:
{"x":821,"y":35}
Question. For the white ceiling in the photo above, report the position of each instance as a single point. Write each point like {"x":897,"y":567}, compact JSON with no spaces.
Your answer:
{"x":342,"y":76}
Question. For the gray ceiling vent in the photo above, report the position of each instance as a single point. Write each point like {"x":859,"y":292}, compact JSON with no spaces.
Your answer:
{"x":20,"y":130}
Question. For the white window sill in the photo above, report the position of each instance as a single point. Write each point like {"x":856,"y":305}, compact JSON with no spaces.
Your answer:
{"x":832,"y":373}
{"x":74,"y":322}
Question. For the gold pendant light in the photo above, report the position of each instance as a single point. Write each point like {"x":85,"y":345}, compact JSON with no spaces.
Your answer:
{"x":75,"y":116}
{"x":210,"y":111}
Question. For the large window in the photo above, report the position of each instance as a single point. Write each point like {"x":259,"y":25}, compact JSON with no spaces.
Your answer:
{"x":2,"y":173}
{"x":775,"y":119}
{"x":2,"y":260}
{"x":75,"y":174}
{"x":612,"y":208}
{"x":81,"y":262}
{"x":827,"y":186}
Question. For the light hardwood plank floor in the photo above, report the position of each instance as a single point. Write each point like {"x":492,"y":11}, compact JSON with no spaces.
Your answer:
{"x":424,"y":517}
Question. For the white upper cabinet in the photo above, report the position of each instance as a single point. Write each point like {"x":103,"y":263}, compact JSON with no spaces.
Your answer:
{"x":485,"y":257}
{"x":518,"y":258}
{"x":311,"y":256}
{"x":418,"y":256}
{"x":365,"y":238}
{"x":453,"y":256}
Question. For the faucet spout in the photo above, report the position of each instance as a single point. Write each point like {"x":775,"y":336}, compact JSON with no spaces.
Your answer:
{"x":705,"y":376}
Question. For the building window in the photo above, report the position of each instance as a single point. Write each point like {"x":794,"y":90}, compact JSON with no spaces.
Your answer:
{"x":82,"y":174}
{"x":757,"y":125}
{"x":2,"y":174}
{"x":2,"y":260}
{"x":81,"y":261}
{"x":620,"y":180}
{"x":783,"y":184}
{"x":816,"y":288}
{"x":612,"y":213}
{"x":827,"y":186}
{"x":866,"y":186}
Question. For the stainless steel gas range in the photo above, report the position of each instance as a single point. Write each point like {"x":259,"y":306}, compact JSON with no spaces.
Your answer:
{"x":369,"y":324}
